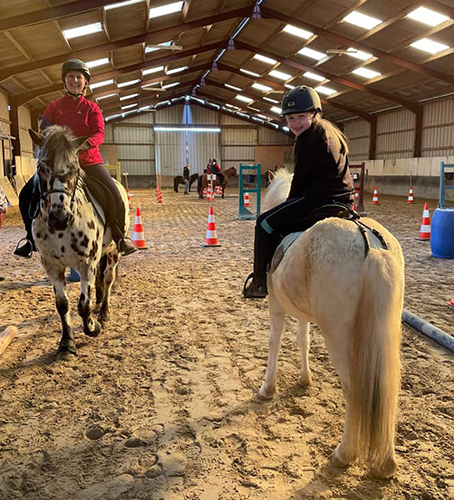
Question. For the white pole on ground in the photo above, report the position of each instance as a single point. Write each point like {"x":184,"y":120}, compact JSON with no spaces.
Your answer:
{"x":6,"y":337}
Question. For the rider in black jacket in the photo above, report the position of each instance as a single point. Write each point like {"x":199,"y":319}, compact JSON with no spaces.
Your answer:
{"x":321,"y":177}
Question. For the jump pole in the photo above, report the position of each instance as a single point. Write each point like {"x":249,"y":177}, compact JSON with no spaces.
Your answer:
{"x":6,"y":337}
{"x":441,"y":337}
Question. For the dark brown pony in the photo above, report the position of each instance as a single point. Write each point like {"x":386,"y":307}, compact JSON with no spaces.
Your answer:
{"x":179,"y":179}
{"x":203,"y":181}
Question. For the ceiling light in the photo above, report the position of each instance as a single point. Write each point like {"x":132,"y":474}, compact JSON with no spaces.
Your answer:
{"x":170,"y":85}
{"x":106,"y":96}
{"x":276,"y":110}
{"x":358,"y":54}
{"x":232,"y":87}
{"x":243,"y":98}
{"x":286,"y":129}
{"x":232,"y":106}
{"x":311,"y":53}
{"x":129,"y":106}
{"x":249,"y":72}
{"x":263,"y":117}
{"x":152,"y":70}
{"x":367,"y":73}
{"x":131,"y":82}
{"x":254,"y":109}
{"x":98,"y":62}
{"x":321,"y":89}
{"x":101,"y":84}
{"x":271,"y":100}
{"x":289,"y":86}
{"x":176,"y":70}
{"x":121,"y":4}
{"x":427,"y":16}
{"x":313,"y":76}
{"x":264,"y":59}
{"x":128,"y":97}
{"x":88,"y":29}
{"x":279,"y":75}
{"x":151,"y":84}
{"x":263,"y":88}
{"x":186,"y":129}
{"x":153,"y":49}
{"x":361,"y":20}
{"x":293,"y":30}
{"x":429,"y":46}
{"x":166,"y":9}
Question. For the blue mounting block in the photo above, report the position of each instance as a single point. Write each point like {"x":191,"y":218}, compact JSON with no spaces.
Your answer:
{"x":254,"y":170}
{"x":445,"y":175}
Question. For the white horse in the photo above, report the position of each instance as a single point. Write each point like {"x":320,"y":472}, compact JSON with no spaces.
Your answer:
{"x":326,"y":277}
{"x":70,"y":231}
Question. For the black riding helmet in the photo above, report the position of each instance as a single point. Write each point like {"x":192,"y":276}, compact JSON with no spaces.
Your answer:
{"x":75,"y":65}
{"x":301,"y":99}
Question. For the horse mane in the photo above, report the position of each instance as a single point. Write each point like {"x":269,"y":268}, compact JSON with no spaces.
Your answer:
{"x":59,"y":139}
{"x":278,"y":189}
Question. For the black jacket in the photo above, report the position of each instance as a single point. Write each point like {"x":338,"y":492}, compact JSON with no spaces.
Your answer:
{"x":321,"y":168}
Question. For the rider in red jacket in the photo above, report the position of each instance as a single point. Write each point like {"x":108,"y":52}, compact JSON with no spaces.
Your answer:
{"x":84,"y":118}
{"x":216,"y":169}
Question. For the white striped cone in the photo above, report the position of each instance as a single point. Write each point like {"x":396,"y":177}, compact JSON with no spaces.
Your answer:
{"x":138,"y":237}
{"x":209,"y":193}
{"x":218,"y":190}
{"x":410,"y":198}
{"x":159,"y":197}
{"x":424,"y":231}
{"x":375,"y":197}
{"x":247,"y":201}
{"x":211,"y":238}
{"x":204,"y":192}
{"x":356,"y":194}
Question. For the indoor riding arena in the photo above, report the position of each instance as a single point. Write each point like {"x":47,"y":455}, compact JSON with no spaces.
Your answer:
{"x":163,"y":403}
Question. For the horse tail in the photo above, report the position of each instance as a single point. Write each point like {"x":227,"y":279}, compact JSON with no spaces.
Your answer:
{"x":375,"y":352}
{"x":175,"y":184}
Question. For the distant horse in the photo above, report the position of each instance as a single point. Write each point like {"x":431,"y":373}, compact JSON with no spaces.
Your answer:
{"x":204,"y":182}
{"x":270,"y":174}
{"x":70,"y":231}
{"x":179,"y":179}
{"x":329,"y":276}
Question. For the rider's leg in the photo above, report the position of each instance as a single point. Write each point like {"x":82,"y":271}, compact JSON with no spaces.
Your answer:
{"x":28,"y":205}
{"x":116,"y":218}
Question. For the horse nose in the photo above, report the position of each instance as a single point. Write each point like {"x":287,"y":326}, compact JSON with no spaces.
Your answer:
{"x":59,"y":220}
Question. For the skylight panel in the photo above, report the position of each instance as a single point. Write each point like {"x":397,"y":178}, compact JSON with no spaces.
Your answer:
{"x":289,"y":86}
{"x":263,"y":88}
{"x":279,"y":75}
{"x":361,"y":20}
{"x":106,"y":96}
{"x":358,"y":54}
{"x":429,"y":46}
{"x":153,"y":49}
{"x":249,"y":72}
{"x":427,"y":16}
{"x":271,"y":100}
{"x":311,"y":53}
{"x":263,"y":117}
{"x":243,"y":98}
{"x":101,"y":84}
{"x":176,"y":70}
{"x":129,"y":106}
{"x":166,"y":9}
{"x":232,"y":106}
{"x":293,"y":30}
{"x":128,"y":97}
{"x":264,"y":59}
{"x":151,"y":84}
{"x":170,"y":85}
{"x":88,"y":29}
{"x":131,"y":82}
{"x":313,"y":76}
{"x":321,"y":89}
{"x":121,"y":4}
{"x":232,"y":87}
{"x":276,"y":110}
{"x":254,"y":109}
{"x":98,"y":62}
{"x":149,"y":71}
{"x":367,"y":73}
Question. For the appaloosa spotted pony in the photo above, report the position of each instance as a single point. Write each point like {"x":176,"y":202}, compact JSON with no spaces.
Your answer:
{"x":69,"y":230}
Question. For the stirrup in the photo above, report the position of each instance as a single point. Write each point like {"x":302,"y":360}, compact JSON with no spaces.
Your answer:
{"x":26,"y":250}
{"x":128,"y":248}
{"x":252,"y":291}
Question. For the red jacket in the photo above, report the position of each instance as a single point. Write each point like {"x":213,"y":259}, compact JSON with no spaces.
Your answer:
{"x":84,"y":118}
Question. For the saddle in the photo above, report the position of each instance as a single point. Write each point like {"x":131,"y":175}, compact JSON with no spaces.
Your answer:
{"x":99,"y":195}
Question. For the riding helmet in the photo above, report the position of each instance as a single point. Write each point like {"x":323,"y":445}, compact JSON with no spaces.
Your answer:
{"x":301,"y":99}
{"x":75,"y":65}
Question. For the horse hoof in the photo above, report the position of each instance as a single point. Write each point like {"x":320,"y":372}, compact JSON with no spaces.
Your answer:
{"x":104,"y":318}
{"x":264,"y":395}
{"x":338,"y":461}
{"x":96,"y":330}
{"x":66,"y":353}
{"x":304,"y":382}
{"x":385,"y":471}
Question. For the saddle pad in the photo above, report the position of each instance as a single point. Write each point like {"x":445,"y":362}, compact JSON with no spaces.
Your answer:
{"x":96,"y":204}
{"x":284,"y":245}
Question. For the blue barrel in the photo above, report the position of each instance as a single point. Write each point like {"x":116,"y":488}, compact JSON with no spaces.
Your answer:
{"x":442,"y":233}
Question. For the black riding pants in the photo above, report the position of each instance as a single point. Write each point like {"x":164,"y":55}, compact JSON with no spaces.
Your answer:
{"x":286,"y":218}
{"x":29,"y":199}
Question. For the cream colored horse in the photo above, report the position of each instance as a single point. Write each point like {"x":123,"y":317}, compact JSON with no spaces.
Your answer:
{"x":356,"y":300}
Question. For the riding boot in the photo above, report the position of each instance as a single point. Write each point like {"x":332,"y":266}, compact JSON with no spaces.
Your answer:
{"x":124,"y":246}
{"x":28,"y":205}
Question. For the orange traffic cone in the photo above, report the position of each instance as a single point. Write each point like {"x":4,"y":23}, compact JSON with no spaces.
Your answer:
{"x":211,"y":238}
{"x":375,"y":197}
{"x":410,"y":196}
{"x":129,"y":198}
{"x":138,"y":237}
{"x":424,"y":231}
{"x":356,"y":194}
{"x":204,"y":192}
{"x":450,"y":303}
{"x":219,"y":190}
{"x":209,"y":193}
{"x":159,"y":196}
{"x":247,"y":201}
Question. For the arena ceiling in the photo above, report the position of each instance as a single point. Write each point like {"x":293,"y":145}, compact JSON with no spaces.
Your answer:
{"x":363,"y":56}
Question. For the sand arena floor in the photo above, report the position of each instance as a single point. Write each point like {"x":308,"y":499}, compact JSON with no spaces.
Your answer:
{"x":161,"y":404}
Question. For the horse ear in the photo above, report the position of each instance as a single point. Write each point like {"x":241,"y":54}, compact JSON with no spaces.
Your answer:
{"x":37,"y":138}
{"x":81,"y":143}
{"x":271,"y":174}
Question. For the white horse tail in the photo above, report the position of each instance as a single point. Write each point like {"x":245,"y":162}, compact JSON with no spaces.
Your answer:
{"x":375,"y":363}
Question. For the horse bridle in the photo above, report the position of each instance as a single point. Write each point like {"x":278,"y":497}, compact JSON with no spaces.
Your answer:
{"x":45,"y":194}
